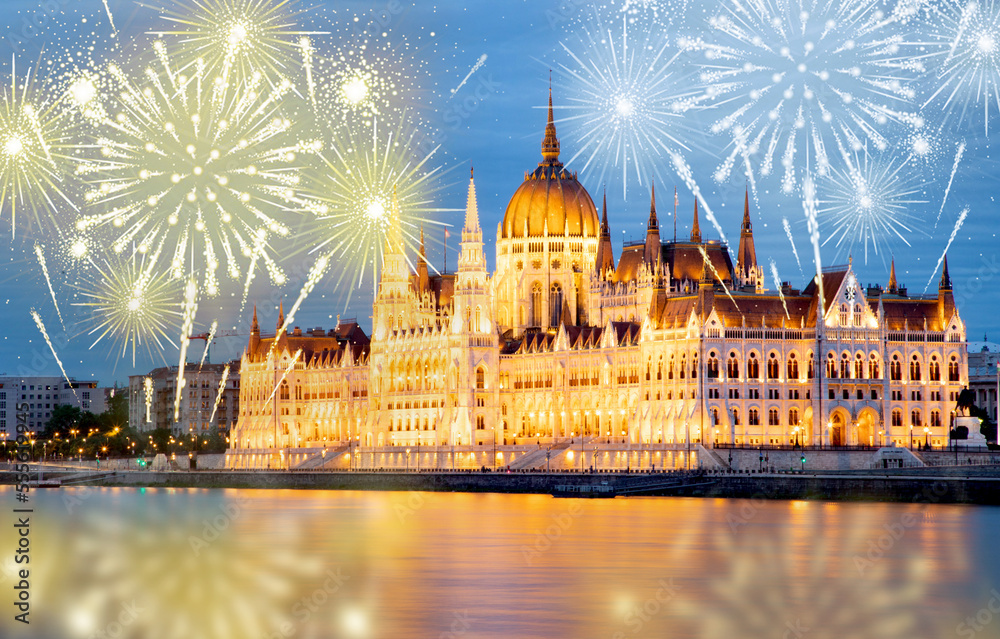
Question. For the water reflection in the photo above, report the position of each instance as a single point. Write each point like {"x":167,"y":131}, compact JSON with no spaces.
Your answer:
{"x":248,"y":564}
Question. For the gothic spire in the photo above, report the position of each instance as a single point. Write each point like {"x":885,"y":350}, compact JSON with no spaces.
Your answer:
{"x":695,"y":231}
{"x":471,"y":208}
{"x":550,"y":143}
{"x":893,"y":285}
{"x":653,"y":223}
{"x":945,"y":278}
{"x":605,"y":229}
{"x":254,"y":326}
{"x":747,"y":228}
{"x":746,"y":258}
{"x":281,"y":314}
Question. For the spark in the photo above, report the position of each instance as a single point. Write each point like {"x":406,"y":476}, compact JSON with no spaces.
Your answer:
{"x":35,"y":140}
{"x":305,"y":44}
{"x":190,"y":307}
{"x":627,"y":98}
{"x":954,"y":232}
{"x":777,"y":285}
{"x":219,"y":396}
{"x":830,"y":75}
{"x":965,"y":58}
{"x":40,"y":254}
{"x":684,"y":172}
{"x":954,"y":170}
{"x":316,"y":273}
{"x":479,"y":63}
{"x":130,"y":302}
{"x":148,"y":387}
{"x":809,"y":204}
{"x":208,"y":342}
{"x":284,"y":374}
{"x":110,"y":17}
{"x":870,"y":203}
{"x":207,"y":166}
{"x":238,"y":37}
{"x":352,"y":197}
{"x":791,"y":241}
{"x":708,"y":263}
{"x":41,"y":327}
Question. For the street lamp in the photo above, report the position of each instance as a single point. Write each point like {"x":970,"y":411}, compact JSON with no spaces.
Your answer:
{"x":407,"y":460}
{"x":927,"y":437}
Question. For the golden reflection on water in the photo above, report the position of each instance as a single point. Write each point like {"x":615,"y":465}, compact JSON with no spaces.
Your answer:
{"x":166,"y":563}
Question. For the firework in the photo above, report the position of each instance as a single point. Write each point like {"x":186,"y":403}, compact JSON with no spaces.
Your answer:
{"x":147,"y":384}
{"x":219,"y":396}
{"x":964,"y":57}
{"x":208,"y":342}
{"x":479,"y":63}
{"x":809,"y":206}
{"x":190,"y":307}
{"x":684,"y":172}
{"x":190,"y":161}
{"x":711,"y":267}
{"x":795,"y":78}
{"x":954,"y":169}
{"x":284,"y":374}
{"x":951,"y":238}
{"x":34,"y":146}
{"x":238,"y":37}
{"x":40,"y":255}
{"x":353,"y":197}
{"x":791,"y":241}
{"x":777,"y":285}
{"x":41,"y":327}
{"x":316,"y":273}
{"x":869,"y":203}
{"x":628,"y":101}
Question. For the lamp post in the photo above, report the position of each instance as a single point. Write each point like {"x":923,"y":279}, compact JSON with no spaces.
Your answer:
{"x":927,"y":437}
{"x":407,"y":460}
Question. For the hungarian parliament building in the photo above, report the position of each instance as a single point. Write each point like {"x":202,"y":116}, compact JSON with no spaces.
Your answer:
{"x":674,"y":345}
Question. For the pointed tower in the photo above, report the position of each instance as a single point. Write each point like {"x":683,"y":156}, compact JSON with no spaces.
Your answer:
{"x":422,"y":278}
{"x":651,"y":255}
{"x":695,"y":230}
{"x":254,"y":333}
{"x":605,"y":262}
{"x":893,"y":286}
{"x":472,"y":308}
{"x":281,"y":331}
{"x":746,"y":257}
{"x":394,"y":305}
{"x":946,"y":298}
{"x":550,"y":143}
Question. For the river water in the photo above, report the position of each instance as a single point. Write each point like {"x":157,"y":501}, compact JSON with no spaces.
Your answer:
{"x":248,"y":564}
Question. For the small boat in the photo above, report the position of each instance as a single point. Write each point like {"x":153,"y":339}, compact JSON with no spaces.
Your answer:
{"x":584,"y":491}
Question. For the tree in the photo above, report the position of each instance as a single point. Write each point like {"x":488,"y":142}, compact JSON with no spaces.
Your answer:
{"x":64,"y":418}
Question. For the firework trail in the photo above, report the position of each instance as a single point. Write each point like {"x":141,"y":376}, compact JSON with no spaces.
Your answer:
{"x":777,"y":285}
{"x":218,"y":398}
{"x":708,"y":263}
{"x":480,"y":62}
{"x":41,"y":327}
{"x":809,"y":208}
{"x":791,"y":240}
{"x":45,"y":271}
{"x":190,"y":307}
{"x":684,"y":172}
{"x":110,"y":18}
{"x":208,"y":342}
{"x":147,"y":384}
{"x":315,"y":274}
{"x":954,"y":169}
{"x":291,"y":365}
{"x":958,"y":224}
{"x":307,"y":63}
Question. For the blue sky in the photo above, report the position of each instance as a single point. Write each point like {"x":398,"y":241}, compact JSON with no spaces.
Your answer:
{"x":495,"y":122}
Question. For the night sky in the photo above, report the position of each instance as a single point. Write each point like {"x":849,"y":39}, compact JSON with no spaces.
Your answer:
{"x":913,"y":106}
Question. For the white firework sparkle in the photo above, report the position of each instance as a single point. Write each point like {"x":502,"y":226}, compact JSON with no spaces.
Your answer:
{"x":808,"y":80}
{"x":627,"y":98}
{"x":870,"y":203}
{"x":965,"y":58}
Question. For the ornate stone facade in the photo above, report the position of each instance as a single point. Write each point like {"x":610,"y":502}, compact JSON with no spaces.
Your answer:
{"x":672,"y":345}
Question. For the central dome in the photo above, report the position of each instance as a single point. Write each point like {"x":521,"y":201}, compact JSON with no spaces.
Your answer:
{"x":550,"y":195}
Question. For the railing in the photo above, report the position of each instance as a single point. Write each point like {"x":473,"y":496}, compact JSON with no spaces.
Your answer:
{"x":846,"y":447}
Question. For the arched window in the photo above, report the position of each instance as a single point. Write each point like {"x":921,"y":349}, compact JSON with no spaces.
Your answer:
{"x":736,"y":417}
{"x":844,"y":314}
{"x":753,"y":418}
{"x":732,"y":366}
{"x":845,"y":366}
{"x":935,"y":419}
{"x":792,"y":368}
{"x":480,"y":378}
{"x":694,"y":366}
{"x":895,"y":369}
{"x":915,"y":369}
{"x":953,"y":369}
{"x":670,"y":368}
{"x":897,"y":417}
{"x":536,"y":304}
{"x":479,"y":319}
{"x":859,"y":367}
{"x":773,"y":367}
{"x":649,"y":368}
{"x":555,"y":303}
{"x":831,"y":366}
{"x":873,"y":371}
{"x":793,"y":417}
{"x":811,"y":369}
{"x":753,"y":367}
{"x":283,"y":392}
{"x":659,"y":369}
{"x":934,"y":370}
{"x":683,"y":367}
{"x":772,"y":417}
{"x":715,"y":416}
{"x":915,"y":418}
{"x":712,"y":366}
{"x":857,"y":315}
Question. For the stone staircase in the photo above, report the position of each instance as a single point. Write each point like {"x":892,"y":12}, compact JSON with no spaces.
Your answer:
{"x":322,"y":460}
{"x":537,"y":458}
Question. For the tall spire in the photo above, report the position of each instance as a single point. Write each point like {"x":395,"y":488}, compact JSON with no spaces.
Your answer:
{"x":945,"y":278}
{"x":605,"y":261}
{"x":605,"y":229}
{"x":254,"y":326}
{"x":281,"y":314}
{"x":471,"y":208}
{"x":893,"y":285}
{"x":651,"y":254}
{"x":695,"y":231}
{"x":550,"y":143}
{"x":747,"y":228}
{"x":423,"y":250}
{"x":746,"y":257}
{"x":653,"y":223}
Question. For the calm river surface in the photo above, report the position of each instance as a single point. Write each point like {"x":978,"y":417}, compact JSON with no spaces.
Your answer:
{"x":248,"y":564}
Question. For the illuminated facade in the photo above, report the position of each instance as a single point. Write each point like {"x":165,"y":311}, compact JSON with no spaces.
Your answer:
{"x":674,"y":343}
